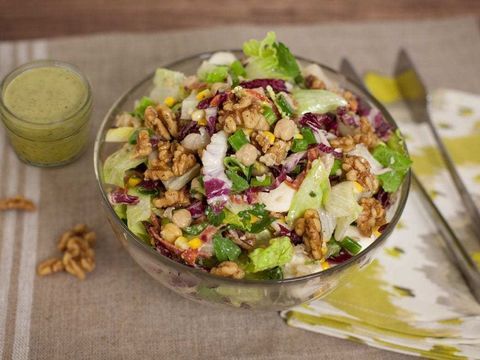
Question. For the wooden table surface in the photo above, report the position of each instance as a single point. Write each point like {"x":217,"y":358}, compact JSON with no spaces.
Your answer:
{"x":46,"y":18}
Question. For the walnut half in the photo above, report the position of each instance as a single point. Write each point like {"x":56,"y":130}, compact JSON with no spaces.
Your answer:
{"x":310,"y":229}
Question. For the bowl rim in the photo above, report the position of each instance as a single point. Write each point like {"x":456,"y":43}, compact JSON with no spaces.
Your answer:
{"x":404,"y":191}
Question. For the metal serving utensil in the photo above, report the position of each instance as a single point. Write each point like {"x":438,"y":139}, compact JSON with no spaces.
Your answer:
{"x":455,"y":248}
{"x":415,"y":96}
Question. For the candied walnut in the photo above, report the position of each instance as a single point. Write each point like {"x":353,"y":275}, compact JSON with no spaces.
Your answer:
{"x":78,"y":255}
{"x":371,"y":217}
{"x":17,"y":203}
{"x":143,"y":146}
{"x":172,"y":198}
{"x":276,"y":153}
{"x":261,"y":141}
{"x":346,"y":143}
{"x":312,"y":82}
{"x":310,"y":228}
{"x":365,"y":134}
{"x":351,"y":100}
{"x":228,"y":269}
{"x":244,"y":112}
{"x":173,"y":160}
{"x":357,"y":169}
{"x":125,"y":119}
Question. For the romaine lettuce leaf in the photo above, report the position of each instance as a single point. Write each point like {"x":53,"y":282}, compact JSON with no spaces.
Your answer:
{"x":120,"y":134}
{"x":278,"y":253}
{"x":118,"y":163}
{"x":269,"y":59}
{"x":168,"y":83}
{"x":317,"y":101}
{"x":312,"y":192}
{"x":397,"y":161}
{"x":138,"y":213}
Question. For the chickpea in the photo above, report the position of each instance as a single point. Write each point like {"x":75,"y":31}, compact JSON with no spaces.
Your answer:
{"x":285,"y":129}
{"x":247,"y":154}
{"x":170,"y":232}
{"x":182,"y":218}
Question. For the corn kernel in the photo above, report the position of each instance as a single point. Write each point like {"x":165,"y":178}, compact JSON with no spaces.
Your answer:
{"x":325,"y":265}
{"x":182,"y":243}
{"x":134,"y":181}
{"x":270,"y":137}
{"x":376,"y":232}
{"x":358,"y":186}
{"x":248,"y":131}
{"x":298,"y":136}
{"x":202,"y":122}
{"x":198,"y":115}
{"x":195,"y":243}
{"x":169,"y":101}
{"x":253,"y":219}
{"x":203,"y":94}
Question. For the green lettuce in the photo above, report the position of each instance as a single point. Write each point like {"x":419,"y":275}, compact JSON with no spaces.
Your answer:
{"x":278,"y":253}
{"x":317,"y":101}
{"x":138,"y":213}
{"x":212,"y":73}
{"x":270,"y":59}
{"x":168,"y":83}
{"x":142,"y":104}
{"x":118,"y":163}
{"x":397,"y":161}
{"x":312,"y":193}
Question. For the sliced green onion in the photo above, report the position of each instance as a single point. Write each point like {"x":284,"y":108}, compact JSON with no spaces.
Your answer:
{"x":299,"y":145}
{"x":308,"y":136}
{"x":258,"y":181}
{"x":239,"y":184}
{"x":352,"y":246}
{"x":237,"y":68}
{"x":269,"y":114}
{"x":337,"y":165}
{"x":283,"y":105}
{"x":237,"y":140}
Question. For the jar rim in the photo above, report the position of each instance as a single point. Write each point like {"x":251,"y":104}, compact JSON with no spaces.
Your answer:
{"x":39,"y":64}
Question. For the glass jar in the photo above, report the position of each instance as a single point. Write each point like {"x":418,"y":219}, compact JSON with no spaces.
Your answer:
{"x":46,"y":107}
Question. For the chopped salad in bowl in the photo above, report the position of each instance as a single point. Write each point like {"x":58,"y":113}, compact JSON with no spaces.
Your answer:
{"x":255,"y":167}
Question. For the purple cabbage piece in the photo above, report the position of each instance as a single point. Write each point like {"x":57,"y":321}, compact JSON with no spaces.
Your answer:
{"x":278,"y":180}
{"x":251,"y":194}
{"x":284,"y":231}
{"x":363,"y":108}
{"x":276,"y":84}
{"x":219,"y":99}
{"x":329,"y":150}
{"x":188,"y":128}
{"x":347,"y":118}
{"x":203,"y":104}
{"x":384,"y":198}
{"x":325,"y":122}
{"x":211,"y":114}
{"x":217,"y":193}
{"x":382,"y":128}
{"x":293,"y":160}
{"x":150,"y":185}
{"x":120,"y":196}
{"x":197,"y":209}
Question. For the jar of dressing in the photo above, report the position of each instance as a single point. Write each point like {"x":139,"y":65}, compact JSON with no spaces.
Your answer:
{"x":46,"y":107}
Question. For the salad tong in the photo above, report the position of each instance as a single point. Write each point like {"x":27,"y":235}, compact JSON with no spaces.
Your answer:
{"x":453,"y":245}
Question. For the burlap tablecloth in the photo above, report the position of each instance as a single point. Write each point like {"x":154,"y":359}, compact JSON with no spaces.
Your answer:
{"x":119,"y":312}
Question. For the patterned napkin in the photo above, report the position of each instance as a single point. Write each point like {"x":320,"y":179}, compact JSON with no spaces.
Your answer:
{"x":412,"y":299}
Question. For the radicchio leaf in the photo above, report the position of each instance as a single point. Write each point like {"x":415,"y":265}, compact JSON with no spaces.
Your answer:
{"x":276,"y":84}
{"x":188,"y":128}
{"x":197,"y":209}
{"x":326,"y":122}
{"x":120,"y":196}
{"x":347,"y":118}
{"x":284,"y":231}
{"x":382,"y":128}
{"x":329,"y":150}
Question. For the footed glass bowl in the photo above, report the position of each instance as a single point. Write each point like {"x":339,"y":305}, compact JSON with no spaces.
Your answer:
{"x":199,"y":285}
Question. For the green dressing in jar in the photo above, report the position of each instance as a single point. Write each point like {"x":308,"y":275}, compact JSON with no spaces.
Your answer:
{"x":46,"y":107}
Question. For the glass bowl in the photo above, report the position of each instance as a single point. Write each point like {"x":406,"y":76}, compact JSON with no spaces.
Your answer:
{"x":201,"y":286}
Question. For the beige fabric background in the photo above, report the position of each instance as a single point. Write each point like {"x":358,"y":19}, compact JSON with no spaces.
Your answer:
{"x":119,"y":312}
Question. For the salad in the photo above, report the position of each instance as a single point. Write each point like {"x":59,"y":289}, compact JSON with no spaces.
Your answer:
{"x":254,"y":167}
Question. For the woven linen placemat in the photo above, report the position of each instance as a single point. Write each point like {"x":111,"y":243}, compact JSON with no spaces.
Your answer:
{"x":119,"y":312}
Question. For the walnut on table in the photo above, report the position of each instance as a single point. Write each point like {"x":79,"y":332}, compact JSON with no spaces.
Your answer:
{"x":309,"y":228}
{"x":371,"y":217}
{"x":228,"y":269}
{"x":78,"y":254}
{"x":357,"y":169}
{"x":17,"y":203}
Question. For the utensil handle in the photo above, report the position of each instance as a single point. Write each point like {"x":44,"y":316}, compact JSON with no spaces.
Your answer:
{"x":454,"y":247}
{"x":466,"y":197}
